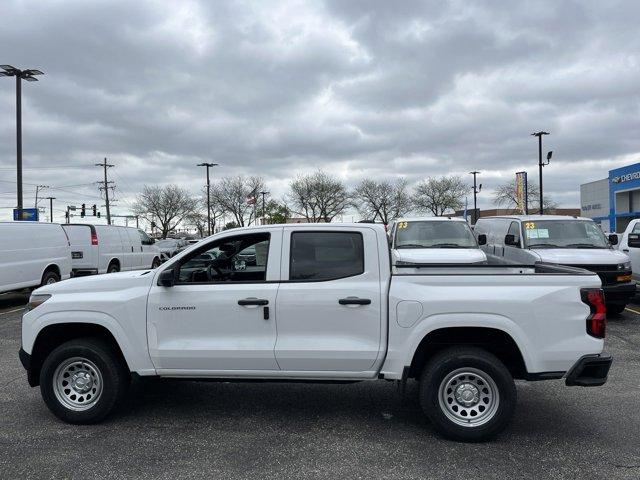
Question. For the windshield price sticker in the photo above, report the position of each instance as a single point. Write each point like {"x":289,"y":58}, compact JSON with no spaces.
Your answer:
{"x":537,"y":233}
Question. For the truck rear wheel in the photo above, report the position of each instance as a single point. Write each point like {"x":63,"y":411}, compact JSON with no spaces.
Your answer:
{"x":615,"y":308}
{"x":467,"y":394}
{"x":83,"y":380}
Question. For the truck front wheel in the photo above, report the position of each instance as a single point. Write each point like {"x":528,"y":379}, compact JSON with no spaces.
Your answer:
{"x":467,"y":393}
{"x":83,"y":380}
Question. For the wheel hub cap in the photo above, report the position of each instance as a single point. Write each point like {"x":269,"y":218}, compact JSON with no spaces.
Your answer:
{"x":77,"y":383}
{"x":468,"y":397}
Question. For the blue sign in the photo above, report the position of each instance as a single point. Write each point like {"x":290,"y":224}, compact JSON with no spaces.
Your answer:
{"x":28,"y":214}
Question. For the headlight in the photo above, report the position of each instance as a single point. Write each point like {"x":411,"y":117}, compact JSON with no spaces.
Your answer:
{"x":624,"y":266}
{"x":36,"y":301}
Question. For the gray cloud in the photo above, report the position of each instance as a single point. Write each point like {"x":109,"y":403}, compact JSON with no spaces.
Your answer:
{"x":358,"y":88}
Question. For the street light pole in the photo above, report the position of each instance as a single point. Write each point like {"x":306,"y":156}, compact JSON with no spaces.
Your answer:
{"x":28,"y":75}
{"x":540,"y":165}
{"x":476,"y":191}
{"x":208,"y":165}
{"x":263,"y":209}
{"x":51,"y":199}
{"x":38,"y":188}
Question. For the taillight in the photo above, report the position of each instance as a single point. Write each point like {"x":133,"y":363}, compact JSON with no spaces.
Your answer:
{"x":94,"y":238}
{"x":597,"y":319}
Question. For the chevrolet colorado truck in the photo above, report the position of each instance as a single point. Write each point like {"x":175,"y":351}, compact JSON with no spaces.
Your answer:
{"x":318,"y":303}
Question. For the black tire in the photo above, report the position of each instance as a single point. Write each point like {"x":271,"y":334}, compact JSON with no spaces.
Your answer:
{"x":155,"y":263}
{"x":114,"y":375}
{"x":615,"y":308}
{"x":450,"y":366}
{"x":113,"y":267}
{"x":49,"y":277}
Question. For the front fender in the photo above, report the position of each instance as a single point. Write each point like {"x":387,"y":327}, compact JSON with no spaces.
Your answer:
{"x":136,"y":356}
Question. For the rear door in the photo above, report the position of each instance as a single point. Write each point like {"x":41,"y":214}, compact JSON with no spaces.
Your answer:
{"x":329,"y":306}
{"x":137,"y":255}
{"x":83,"y":253}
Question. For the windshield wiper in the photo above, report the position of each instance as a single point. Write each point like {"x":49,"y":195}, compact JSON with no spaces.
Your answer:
{"x":549,"y":245}
{"x":410,"y":245}
{"x":583,"y":245}
{"x":446,"y":245}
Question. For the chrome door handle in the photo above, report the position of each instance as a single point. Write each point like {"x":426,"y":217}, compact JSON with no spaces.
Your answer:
{"x":354,"y":301}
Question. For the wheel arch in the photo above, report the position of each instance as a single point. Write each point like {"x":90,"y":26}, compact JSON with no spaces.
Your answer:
{"x":494,"y":340}
{"x":51,"y":267}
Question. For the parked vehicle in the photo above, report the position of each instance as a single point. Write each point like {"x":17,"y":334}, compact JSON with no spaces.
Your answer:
{"x":630,"y":244}
{"x":169,"y":247}
{"x":109,"y":249}
{"x":434,"y":240}
{"x":32,"y":254}
{"x":322,"y":303}
{"x":564,"y":240}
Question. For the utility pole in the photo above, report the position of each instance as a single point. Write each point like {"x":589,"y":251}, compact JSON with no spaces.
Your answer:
{"x":540,"y":164}
{"x":51,"y":199}
{"x":106,"y":183}
{"x":208,"y":165}
{"x":28,"y":75}
{"x":476,"y":191}
{"x":263,"y":193}
{"x":38,"y":188}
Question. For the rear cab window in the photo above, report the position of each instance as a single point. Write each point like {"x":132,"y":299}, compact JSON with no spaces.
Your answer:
{"x":322,"y":256}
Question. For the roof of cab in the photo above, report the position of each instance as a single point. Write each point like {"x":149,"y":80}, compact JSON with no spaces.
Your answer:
{"x":533,"y":218}
{"x":430,"y":219}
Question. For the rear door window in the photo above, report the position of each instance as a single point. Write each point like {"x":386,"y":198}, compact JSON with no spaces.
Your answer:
{"x":319,"y":256}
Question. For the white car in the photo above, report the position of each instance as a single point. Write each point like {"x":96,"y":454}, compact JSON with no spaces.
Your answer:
{"x":564,"y":240}
{"x":446,"y":240}
{"x":109,"y":248}
{"x":320,"y":302}
{"x":32,"y":254}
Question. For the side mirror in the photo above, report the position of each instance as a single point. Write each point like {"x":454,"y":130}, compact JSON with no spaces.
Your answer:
{"x":510,"y":240}
{"x":613,"y":239}
{"x":482,"y":239}
{"x":167,"y":278}
{"x":634,"y":240}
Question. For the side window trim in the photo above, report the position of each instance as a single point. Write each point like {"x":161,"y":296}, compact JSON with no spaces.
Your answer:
{"x":317,"y":280}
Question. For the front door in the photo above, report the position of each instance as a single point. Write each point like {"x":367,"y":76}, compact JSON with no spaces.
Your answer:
{"x":219,"y":316}
{"x":330,"y":308}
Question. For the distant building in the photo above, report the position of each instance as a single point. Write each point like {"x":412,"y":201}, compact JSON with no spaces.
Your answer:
{"x":613,"y":201}
{"x":494,"y":212}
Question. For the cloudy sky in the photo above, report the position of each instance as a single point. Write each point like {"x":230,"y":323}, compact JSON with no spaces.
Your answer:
{"x":359,"y":88}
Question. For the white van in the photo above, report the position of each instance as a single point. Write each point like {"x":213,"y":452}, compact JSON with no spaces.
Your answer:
{"x":630,"y":244}
{"x":442,"y":240}
{"x":32,"y":254}
{"x":109,"y":248}
{"x":564,"y":240}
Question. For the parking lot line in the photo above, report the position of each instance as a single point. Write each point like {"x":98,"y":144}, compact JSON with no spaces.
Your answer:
{"x":12,"y":311}
{"x":632,"y":310}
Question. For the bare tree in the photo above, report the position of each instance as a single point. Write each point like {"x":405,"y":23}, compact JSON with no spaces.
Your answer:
{"x":385,"y":199}
{"x":505,"y":196}
{"x":231,"y":194}
{"x":166,"y":205}
{"x":437,"y":195}
{"x":318,"y":196}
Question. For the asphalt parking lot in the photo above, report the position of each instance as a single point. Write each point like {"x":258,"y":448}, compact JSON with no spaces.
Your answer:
{"x":184,"y":429}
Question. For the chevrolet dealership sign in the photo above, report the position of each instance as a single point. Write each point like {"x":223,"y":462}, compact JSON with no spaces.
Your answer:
{"x":626,"y":177}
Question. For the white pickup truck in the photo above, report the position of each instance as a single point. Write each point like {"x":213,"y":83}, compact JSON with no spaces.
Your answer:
{"x":318,"y":303}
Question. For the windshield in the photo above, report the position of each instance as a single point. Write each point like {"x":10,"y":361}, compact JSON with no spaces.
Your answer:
{"x":434,"y":234}
{"x":564,"y":234}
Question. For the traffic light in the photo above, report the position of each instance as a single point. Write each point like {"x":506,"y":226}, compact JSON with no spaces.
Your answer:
{"x":98,"y":215}
{"x":94,"y":210}
{"x":83,"y":210}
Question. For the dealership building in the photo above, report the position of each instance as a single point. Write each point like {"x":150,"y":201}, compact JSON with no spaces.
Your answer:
{"x":613,"y":201}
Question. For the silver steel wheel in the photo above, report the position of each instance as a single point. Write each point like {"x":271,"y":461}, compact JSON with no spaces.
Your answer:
{"x":468,"y":397}
{"x":77,"y":383}
{"x":51,"y":280}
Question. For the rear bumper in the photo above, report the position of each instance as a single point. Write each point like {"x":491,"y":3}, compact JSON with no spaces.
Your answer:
{"x":25,"y":359}
{"x":589,"y":371}
{"x":620,"y":294}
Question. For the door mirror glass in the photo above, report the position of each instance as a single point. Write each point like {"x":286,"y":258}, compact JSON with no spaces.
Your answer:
{"x":613,"y":239}
{"x":634,"y":240}
{"x":167,"y":278}
{"x":511,"y":240}
{"x":482,"y":239}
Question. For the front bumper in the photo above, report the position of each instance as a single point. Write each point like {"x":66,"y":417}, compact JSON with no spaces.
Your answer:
{"x":25,"y":359}
{"x":620,"y":294}
{"x":589,"y":371}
